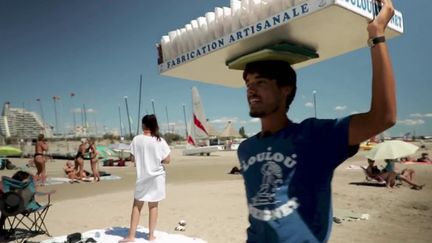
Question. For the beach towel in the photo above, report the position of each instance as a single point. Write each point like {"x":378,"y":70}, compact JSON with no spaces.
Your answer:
{"x":416,"y":163}
{"x":115,"y":234}
{"x":62,"y":180}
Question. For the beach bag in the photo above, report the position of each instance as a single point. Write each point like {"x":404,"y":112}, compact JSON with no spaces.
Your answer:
{"x":9,"y":165}
{"x":73,"y":238}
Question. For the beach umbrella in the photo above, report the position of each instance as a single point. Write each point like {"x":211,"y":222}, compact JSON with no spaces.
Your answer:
{"x":392,"y":149}
{"x":10,"y":151}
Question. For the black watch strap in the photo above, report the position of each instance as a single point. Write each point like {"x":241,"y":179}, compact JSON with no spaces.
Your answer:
{"x":373,"y":41}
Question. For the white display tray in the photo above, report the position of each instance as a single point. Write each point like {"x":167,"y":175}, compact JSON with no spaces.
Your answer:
{"x":331,"y":27}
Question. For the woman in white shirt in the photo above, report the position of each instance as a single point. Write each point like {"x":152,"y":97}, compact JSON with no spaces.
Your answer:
{"x":149,"y":152}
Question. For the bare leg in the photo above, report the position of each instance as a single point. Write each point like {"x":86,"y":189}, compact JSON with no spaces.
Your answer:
{"x":95,"y":170}
{"x":153,"y":215}
{"x":390,"y":178}
{"x":43,"y":177}
{"x":409,"y":174}
{"x":135,"y":216}
{"x":71,"y":175}
{"x":40,"y":167}
{"x":80,"y":167}
{"x":414,"y":186}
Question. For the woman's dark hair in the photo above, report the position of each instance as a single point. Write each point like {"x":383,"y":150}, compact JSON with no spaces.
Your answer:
{"x":280,"y":71}
{"x":150,"y":122}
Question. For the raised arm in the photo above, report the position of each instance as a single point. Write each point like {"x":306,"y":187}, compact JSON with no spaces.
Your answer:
{"x":382,"y":113}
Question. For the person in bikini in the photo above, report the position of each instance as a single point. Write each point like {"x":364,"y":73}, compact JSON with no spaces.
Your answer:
{"x":79,"y":159}
{"x":373,"y":172}
{"x":69,"y":169}
{"x":93,"y":159}
{"x":41,"y":148}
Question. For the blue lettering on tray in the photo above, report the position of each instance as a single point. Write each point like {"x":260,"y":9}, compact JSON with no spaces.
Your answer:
{"x":276,"y":20}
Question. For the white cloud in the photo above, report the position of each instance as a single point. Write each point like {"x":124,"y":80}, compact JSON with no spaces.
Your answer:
{"x":254,"y":120}
{"x":76,"y":110}
{"x":340,"y":107}
{"x":91,"y":110}
{"x":421,"y":115}
{"x":416,"y":115}
{"x":224,"y":120}
{"x":309,"y":104}
{"x":411,"y":122}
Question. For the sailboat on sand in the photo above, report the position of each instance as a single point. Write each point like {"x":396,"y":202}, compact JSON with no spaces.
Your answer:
{"x":198,"y":138}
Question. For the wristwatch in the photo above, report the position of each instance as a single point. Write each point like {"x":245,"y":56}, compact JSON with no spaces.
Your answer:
{"x":375,"y":40}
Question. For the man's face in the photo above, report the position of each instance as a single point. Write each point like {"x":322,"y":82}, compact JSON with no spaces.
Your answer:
{"x":264,"y":96}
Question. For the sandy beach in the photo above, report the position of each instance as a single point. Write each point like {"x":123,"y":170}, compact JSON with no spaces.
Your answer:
{"x":200,"y":191}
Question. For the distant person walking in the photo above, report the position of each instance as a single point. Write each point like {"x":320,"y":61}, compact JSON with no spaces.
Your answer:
{"x":79,"y":159}
{"x":41,"y":148}
{"x":93,"y":159}
{"x":149,"y":152}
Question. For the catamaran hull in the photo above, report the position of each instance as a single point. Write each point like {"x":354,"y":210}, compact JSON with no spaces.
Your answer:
{"x":200,"y":150}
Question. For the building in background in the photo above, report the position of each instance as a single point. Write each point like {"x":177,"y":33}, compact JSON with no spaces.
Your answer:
{"x":22,"y":124}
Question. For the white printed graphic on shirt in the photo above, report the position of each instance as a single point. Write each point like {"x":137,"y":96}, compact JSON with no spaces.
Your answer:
{"x":277,"y":213}
{"x":288,"y":161}
{"x":271,"y":179}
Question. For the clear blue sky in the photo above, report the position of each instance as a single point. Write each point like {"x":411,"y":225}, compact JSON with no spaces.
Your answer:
{"x":98,"y":49}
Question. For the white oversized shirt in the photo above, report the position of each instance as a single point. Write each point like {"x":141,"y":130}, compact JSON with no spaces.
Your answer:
{"x":149,"y":153}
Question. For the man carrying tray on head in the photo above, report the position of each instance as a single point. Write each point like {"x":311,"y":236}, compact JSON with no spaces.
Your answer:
{"x":288,"y":167}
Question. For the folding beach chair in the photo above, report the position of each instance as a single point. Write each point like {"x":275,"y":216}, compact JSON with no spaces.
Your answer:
{"x":24,"y":215}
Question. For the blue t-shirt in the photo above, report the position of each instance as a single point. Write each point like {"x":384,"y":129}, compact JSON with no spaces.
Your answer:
{"x":390,"y":166}
{"x":288,"y":180}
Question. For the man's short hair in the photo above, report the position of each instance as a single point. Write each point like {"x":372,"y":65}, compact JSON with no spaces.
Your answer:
{"x":41,"y":137}
{"x":280,"y":71}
